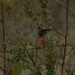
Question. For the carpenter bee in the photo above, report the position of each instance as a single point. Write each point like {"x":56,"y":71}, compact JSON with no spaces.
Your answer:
{"x":42,"y":32}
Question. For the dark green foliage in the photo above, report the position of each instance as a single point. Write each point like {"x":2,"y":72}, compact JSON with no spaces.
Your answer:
{"x":4,"y":44}
{"x":50,"y":54}
{"x":43,"y":3}
{"x":19,"y":54}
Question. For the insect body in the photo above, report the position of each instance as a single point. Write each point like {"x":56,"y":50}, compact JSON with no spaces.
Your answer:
{"x":43,"y":32}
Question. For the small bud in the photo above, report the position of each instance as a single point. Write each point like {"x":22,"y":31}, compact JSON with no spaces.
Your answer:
{"x":57,"y":41}
{"x":0,"y":48}
{"x":25,"y":9}
{"x":53,"y":61}
{"x":9,"y":73}
{"x":61,"y":74}
{"x":68,"y":63}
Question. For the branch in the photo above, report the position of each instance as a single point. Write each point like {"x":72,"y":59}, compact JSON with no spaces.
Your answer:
{"x":43,"y":47}
{"x":70,"y":52}
{"x":3,"y":30}
{"x":5,"y":58}
{"x":1,"y":68}
{"x":65,"y":47}
{"x":57,"y":31}
{"x":29,"y":55}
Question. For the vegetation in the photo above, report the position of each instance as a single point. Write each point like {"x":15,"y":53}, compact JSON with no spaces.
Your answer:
{"x":46,"y":55}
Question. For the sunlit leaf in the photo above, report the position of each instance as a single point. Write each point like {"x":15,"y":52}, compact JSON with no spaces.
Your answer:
{"x":24,"y":64}
{"x":16,"y":68}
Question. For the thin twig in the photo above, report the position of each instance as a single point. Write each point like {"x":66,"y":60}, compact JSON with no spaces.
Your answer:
{"x":40,"y":48}
{"x":70,"y":52}
{"x":57,"y":31}
{"x":3,"y":36}
{"x":1,"y":68}
{"x":5,"y":58}
{"x":65,"y":47}
{"x":28,"y":54}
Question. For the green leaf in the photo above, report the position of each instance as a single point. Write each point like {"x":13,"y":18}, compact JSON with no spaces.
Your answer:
{"x":16,"y":68}
{"x":24,"y":64}
{"x":4,"y":44}
{"x":43,"y":3}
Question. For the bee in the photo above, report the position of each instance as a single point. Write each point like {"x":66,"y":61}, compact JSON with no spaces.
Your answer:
{"x":42,"y":32}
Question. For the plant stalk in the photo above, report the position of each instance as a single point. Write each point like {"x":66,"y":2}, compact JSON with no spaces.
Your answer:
{"x":3,"y":27}
{"x":65,"y":47}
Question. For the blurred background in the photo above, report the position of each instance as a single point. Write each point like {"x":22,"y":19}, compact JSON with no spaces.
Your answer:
{"x":17,"y":24}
